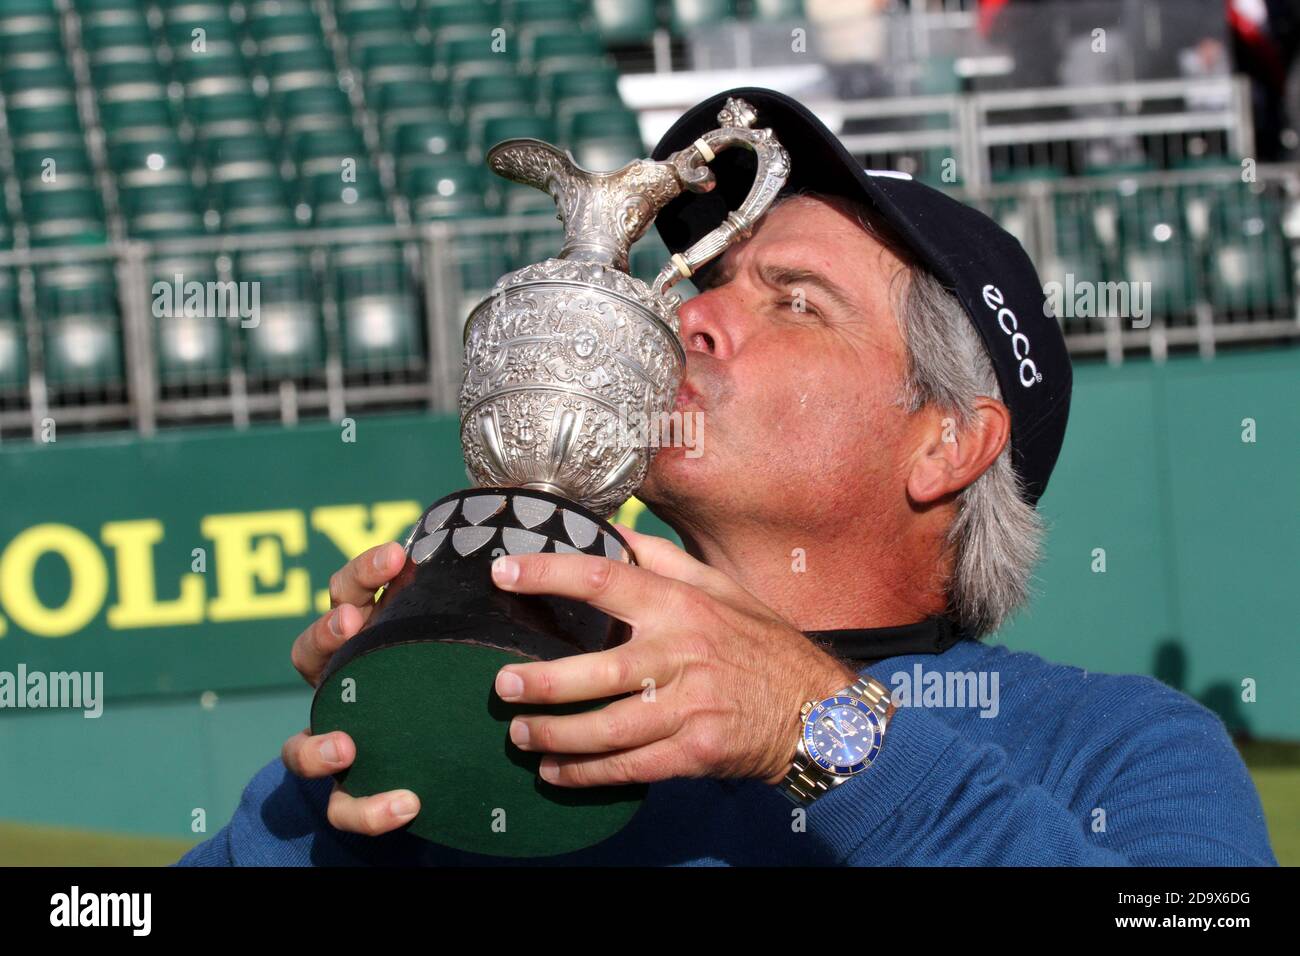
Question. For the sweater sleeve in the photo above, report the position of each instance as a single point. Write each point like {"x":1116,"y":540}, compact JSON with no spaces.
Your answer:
{"x":214,"y":851}
{"x":1172,"y":786}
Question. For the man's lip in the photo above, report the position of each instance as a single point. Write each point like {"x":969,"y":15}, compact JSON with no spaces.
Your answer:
{"x":686,"y":396}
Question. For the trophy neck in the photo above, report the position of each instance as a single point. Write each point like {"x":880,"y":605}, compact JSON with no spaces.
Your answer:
{"x":608,"y":252}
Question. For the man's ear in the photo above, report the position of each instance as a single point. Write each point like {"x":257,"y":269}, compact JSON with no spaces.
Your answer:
{"x":950,"y":457}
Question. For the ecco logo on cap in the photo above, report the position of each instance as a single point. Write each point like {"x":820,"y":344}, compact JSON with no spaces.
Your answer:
{"x":994,"y":299}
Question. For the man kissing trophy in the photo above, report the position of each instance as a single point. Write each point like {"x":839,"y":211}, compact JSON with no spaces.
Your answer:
{"x":558,"y":357}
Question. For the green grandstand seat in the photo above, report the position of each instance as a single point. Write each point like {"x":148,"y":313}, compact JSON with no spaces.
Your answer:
{"x":213,"y":72}
{"x":688,"y":15}
{"x":606,"y":139}
{"x":465,"y":18}
{"x":30,"y":84}
{"x":192,"y":348}
{"x":573,"y":91}
{"x":13,"y":357}
{"x":82,"y":352}
{"x":47,"y":128}
{"x":154,"y":114}
{"x":388,"y":69}
{"x":510,"y":127}
{"x":625,"y":21}
{"x":463,"y":58}
{"x":150,"y":162}
{"x":300,"y":69}
{"x":162,"y":211}
{"x":13,"y":341}
{"x":285,"y":31}
{"x":42,"y":44}
{"x":315,"y":102}
{"x":183,"y":21}
{"x":330,"y":152}
{"x":287,"y":340}
{"x":1151,"y":217}
{"x":371,"y":25}
{"x":69,"y":166}
{"x":566,"y":50}
{"x":1248,"y":255}
{"x":234,"y":158}
{"x":533,"y":18}
{"x":28,"y":26}
{"x":336,"y":203}
{"x":306,"y":111}
{"x":378,"y":312}
{"x":136,"y":78}
{"x":65,"y":216}
{"x":407,"y":101}
{"x":778,"y":10}
{"x":128,"y":33}
{"x":82,"y":345}
{"x":255,"y":205}
{"x":489,"y":96}
{"x":1170,"y":270}
{"x":452,"y":189}
{"x":425,"y":143}
{"x":226,"y":114}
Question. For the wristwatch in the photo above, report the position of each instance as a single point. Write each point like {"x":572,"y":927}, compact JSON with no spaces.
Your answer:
{"x":840,"y":737}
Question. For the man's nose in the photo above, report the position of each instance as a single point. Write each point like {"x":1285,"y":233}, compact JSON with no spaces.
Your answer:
{"x":702,"y":326}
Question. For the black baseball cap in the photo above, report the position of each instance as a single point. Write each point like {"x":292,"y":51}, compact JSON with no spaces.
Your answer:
{"x":975,"y":258}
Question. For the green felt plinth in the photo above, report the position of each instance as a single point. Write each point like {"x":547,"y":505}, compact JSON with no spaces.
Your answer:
{"x":425,"y":718}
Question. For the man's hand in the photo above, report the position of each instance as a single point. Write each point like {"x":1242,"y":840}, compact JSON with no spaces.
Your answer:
{"x":728,"y":674}
{"x":352,"y":596}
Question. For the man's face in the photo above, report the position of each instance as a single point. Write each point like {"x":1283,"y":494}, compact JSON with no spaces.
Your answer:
{"x":799,"y":409}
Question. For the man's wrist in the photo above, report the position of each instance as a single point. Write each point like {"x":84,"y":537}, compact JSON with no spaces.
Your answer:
{"x":829,"y":679}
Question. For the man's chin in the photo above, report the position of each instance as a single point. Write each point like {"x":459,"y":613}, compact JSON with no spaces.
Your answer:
{"x":677,"y":474}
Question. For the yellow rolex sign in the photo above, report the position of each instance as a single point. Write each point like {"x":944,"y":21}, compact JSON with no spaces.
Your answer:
{"x":189,"y":562}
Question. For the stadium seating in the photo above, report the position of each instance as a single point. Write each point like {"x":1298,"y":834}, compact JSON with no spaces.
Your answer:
{"x":175,"y":122}
{"x":272,"y":116}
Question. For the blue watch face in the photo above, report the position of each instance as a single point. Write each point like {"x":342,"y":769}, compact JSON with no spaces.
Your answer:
{"x":842,"y":735}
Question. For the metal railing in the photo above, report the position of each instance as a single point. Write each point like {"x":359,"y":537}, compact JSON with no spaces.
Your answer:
{"x":1220,"y":259}
{"x":970,"y":140}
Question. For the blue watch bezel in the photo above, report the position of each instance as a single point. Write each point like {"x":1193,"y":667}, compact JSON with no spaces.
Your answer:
{"x":815,"y":755}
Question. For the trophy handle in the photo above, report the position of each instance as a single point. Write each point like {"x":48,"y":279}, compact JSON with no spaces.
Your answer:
{"x":773,"y":168}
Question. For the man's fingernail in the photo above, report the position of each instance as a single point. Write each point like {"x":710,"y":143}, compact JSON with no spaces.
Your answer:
{"x":505,"y":570}
{"x":519,"y":732}
{"x":381,"y":558}
{"x":509,"y":685}
{"x":329,"y":750}
{"x":403,"y":806}
{"x":549,"y":769}
{"x":335,"y":627}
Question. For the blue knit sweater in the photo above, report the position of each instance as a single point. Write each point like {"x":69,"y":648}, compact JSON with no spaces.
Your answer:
{"x":1023,"y":787}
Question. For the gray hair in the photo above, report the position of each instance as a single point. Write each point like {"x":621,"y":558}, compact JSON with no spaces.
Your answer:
{"x":996,"y":537}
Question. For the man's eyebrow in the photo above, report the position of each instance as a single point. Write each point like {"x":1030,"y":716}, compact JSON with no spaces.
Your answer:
{"x":784,"y":276}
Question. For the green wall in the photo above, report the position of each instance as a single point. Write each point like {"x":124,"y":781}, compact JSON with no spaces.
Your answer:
{"x":1199,"y":529}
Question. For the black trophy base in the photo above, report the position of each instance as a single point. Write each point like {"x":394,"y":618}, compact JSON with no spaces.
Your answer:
{"x":415,"y":688}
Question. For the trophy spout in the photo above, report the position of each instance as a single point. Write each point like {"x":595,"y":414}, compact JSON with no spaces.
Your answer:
{"x":603,"y":213}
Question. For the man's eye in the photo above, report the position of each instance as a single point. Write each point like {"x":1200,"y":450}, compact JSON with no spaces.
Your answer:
{"x":798,"y":306}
